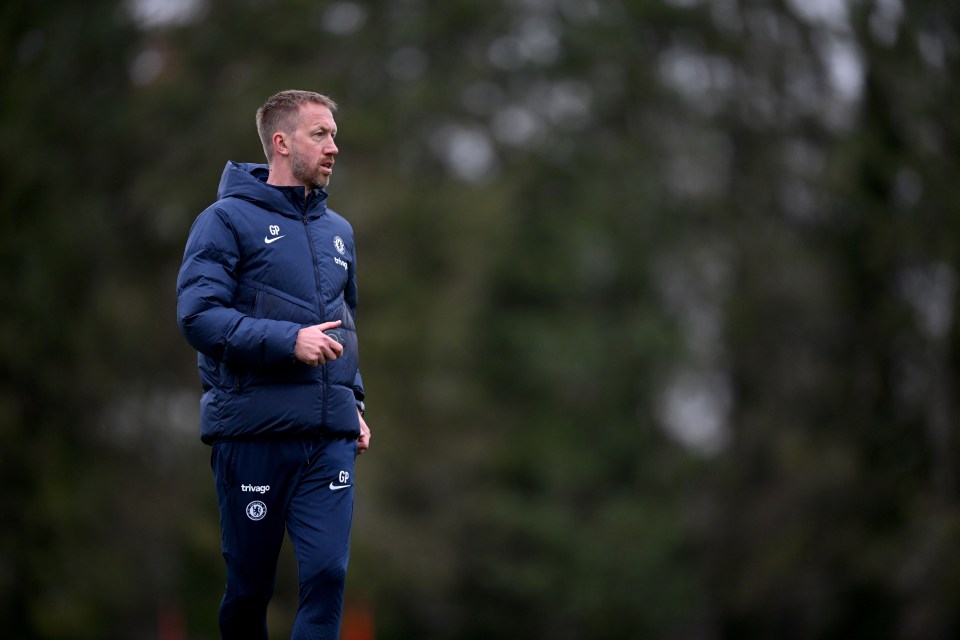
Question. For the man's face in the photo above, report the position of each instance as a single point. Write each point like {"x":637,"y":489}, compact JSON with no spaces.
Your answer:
{"x":312,"y":148}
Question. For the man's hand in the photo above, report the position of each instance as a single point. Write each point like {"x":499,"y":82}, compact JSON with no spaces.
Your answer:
{"x":314,"y":347}
{"x":363,"y":442}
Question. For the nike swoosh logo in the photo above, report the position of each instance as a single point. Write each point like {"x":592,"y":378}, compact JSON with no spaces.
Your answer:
{"x":337,"y":487}
{"x":269,"y":240}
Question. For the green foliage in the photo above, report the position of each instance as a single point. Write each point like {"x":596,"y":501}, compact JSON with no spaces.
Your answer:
{"x":658,"y":305}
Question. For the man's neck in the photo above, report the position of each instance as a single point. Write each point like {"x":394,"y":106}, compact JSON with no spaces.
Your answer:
{"x":278,"y":178}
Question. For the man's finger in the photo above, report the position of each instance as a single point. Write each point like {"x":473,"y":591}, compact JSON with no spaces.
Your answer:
{"x":329,"y":325}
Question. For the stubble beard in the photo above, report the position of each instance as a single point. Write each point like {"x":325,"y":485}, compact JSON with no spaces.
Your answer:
{"x":310,"y":177}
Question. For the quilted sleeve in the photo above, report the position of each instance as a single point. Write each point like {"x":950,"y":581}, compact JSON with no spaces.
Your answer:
{"x":206,"y":294}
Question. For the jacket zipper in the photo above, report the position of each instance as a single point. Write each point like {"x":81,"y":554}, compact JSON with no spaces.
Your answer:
{"x":316,"y":276}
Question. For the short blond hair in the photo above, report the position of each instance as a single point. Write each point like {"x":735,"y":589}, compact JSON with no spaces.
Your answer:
{"x":280,"y":111}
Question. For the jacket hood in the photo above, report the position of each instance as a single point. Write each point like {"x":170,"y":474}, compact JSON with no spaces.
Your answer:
{"x":248,"y":181}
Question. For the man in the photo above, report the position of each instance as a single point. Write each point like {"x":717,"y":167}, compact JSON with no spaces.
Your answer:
{"x":267,"y":294}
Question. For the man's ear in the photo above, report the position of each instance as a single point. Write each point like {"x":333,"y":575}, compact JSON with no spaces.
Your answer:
{"x":280,"y":144}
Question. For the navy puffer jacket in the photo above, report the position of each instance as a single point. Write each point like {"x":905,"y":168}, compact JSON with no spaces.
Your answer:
{"x":259,"y":264}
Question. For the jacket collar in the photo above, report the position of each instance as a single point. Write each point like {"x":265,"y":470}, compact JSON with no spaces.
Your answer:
{"x":248,"y":181}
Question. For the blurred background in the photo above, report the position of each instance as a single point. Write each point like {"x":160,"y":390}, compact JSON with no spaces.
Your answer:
{"x":658,"y":312}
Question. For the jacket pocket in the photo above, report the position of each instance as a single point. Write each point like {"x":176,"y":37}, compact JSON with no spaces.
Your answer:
{"x":263,"y":301}
{"x":232,"y":378}
{"x":343,"y":370}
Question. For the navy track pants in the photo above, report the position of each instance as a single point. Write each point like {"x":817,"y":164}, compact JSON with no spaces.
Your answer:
{"x":264,"y":487}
